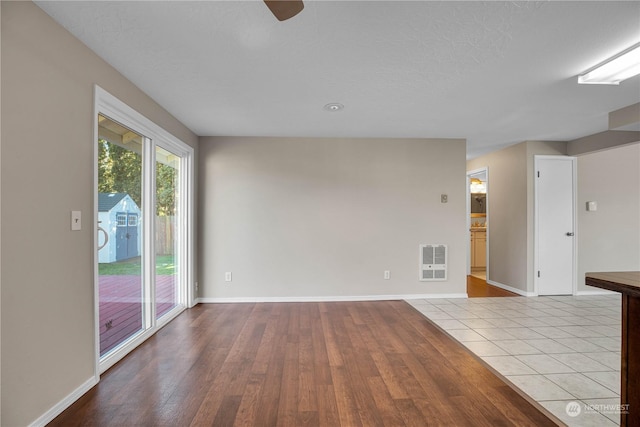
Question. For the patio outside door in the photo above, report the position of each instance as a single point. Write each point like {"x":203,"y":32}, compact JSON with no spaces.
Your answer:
{"x":144,"y":274}
{"x":168,"y":233}
{"x":120,"y":273}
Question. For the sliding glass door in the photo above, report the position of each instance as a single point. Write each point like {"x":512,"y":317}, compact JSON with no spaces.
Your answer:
{"x":120,"y":212}
{"x":143,"y":233}
{"x":167,"y":219}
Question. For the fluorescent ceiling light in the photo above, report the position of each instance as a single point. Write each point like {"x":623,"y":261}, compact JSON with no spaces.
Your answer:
{"x":612,"y":71}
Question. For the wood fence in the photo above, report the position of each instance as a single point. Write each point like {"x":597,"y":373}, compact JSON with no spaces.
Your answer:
{"x":165,"y":233}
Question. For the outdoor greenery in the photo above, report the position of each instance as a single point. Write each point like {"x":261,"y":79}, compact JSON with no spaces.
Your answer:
{"x":120,"y":171}
{"x":165,"y":190}
{"x":165,"y":265}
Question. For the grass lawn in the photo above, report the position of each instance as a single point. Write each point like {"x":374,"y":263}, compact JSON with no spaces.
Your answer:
{"x":165,"y":265}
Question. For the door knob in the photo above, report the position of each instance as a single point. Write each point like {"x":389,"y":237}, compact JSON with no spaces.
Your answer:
{"x":569,"y":234}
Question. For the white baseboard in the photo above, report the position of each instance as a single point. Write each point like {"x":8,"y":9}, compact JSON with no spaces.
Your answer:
{"x":57,"y":409}
{"x":598,"y":292}
{"x":327,"y":298}
{"x":435,"y":296}
{"x":511,"y":289}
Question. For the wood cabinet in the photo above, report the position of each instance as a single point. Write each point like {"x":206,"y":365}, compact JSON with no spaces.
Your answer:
{"x":479,"y":249}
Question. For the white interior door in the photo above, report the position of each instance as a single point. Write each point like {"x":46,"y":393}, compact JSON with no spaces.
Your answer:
{"x":555,"y":225}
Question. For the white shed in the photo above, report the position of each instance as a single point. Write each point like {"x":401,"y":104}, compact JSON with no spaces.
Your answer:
{"x":119,"y":217}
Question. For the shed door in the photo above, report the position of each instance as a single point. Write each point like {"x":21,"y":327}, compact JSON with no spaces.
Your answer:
{"x":126,"y":236}
{"x":132,"y":235}
{"x":122,"y":245}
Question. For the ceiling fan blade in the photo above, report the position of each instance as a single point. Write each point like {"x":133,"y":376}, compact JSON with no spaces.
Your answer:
{"x":284,"y":9}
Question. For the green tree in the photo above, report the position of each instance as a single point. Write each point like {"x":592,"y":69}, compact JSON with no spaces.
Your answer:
{"x":166,"y":184}
{"x":105,"y":178}
{"x":120,"y":171}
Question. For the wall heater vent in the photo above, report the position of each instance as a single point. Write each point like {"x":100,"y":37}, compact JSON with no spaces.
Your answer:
{"x":433,"y":263}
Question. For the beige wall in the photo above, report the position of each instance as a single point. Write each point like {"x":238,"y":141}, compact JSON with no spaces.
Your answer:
{"x":0,"y":228}
{"x":601,"y":141}
{"x":510,"y":203}
{"x":304,"y":218}
{"x":47,"y":170}
{"x":507,"y":205}
{"x":609,"y":238}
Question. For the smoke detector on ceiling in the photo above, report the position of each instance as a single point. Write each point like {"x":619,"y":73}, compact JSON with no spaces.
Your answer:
{"x":334,"y":107}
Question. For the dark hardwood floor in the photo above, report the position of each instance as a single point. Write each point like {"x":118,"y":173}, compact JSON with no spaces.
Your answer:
{"x":294,"y":364}
{"x":477,"y":288}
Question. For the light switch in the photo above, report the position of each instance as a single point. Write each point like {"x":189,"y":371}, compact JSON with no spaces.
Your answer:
{"x":76,"y":220}
{"x":592,"y":206}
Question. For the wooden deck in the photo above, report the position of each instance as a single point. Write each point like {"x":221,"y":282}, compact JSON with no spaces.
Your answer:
{"x":121,"y":306}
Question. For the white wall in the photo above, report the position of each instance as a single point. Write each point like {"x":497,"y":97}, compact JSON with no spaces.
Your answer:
{"x":609,"y":238}
{"x":304,"y":218}
{"x":47,"y":168}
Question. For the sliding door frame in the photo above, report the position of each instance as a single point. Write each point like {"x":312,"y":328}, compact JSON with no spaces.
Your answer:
{"x":111,"y":107}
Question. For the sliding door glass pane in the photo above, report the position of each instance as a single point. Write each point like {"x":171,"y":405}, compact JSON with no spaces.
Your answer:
{"x":119,"y":234}
{"x":167,"y":236}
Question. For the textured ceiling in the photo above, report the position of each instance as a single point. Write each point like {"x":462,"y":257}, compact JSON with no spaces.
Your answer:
{"x":496,"y":73}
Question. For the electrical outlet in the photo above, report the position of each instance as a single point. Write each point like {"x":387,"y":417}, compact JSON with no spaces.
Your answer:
{"x":444,"y":198}
{"x":197,"y":286}
{"x":227,"y":276}
{"x":387,"y":275}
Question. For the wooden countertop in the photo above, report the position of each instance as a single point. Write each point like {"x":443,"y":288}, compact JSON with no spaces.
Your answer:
{"x":627,"y":282}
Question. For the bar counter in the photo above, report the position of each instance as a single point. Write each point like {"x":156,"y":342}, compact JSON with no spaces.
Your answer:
{"x":628,"y":284}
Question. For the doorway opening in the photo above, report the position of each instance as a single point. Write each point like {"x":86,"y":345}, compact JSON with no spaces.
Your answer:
{"x":477,"y":222}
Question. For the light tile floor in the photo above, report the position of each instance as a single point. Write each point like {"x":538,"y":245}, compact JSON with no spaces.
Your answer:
{"x":558,"y":350}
